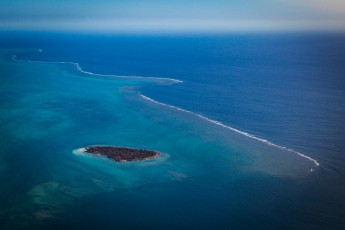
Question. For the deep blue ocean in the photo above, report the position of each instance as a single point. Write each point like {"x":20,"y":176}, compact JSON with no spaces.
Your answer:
{"x":252,"y":135}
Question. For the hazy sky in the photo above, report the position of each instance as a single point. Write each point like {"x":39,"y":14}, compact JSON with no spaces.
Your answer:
{"x":172,"y":15}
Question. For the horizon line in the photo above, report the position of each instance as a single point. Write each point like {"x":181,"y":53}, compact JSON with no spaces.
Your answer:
{"x":174,"y":26}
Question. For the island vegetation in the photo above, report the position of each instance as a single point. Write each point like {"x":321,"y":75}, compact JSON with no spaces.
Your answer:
{"x":122,"y":154}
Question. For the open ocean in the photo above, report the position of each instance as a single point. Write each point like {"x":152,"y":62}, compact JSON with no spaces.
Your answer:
{"x":251,"y":128}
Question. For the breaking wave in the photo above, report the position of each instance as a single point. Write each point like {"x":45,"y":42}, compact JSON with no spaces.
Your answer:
{"x":233,"y":129}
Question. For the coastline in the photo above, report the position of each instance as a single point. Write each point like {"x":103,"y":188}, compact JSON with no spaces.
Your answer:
{"x":119,"y":153}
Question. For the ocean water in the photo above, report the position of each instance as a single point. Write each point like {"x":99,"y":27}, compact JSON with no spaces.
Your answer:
{"x":251,"y":129}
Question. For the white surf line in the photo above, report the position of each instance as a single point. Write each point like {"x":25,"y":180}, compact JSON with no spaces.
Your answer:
{"x":136,"y":77}
{"x":77,"y":65}
{"x":233,"y":129}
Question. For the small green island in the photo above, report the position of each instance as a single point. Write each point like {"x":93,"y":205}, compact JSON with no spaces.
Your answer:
{"x":121,"y":154}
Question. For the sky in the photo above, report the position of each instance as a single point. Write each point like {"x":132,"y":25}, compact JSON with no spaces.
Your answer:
{"x":172,"y":15}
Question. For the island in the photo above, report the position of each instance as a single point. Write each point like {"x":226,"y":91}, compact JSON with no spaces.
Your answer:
{"x":122,"y":154}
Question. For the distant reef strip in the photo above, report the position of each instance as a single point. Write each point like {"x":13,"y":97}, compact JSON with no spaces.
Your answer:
{"x":121,"y":154}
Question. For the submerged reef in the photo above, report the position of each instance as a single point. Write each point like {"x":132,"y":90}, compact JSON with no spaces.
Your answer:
{"x":122,"y":154}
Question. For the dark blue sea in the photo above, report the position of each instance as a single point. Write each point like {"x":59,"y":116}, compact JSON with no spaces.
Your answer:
{"x":250,"y":127}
